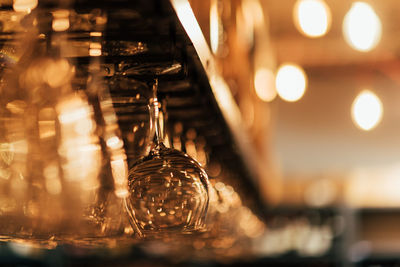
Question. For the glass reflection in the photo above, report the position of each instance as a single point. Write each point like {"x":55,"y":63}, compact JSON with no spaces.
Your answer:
{"x":60,"y":182}
{"x":168,"y":189}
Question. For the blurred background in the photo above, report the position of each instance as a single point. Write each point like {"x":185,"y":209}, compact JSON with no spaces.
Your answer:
{"x":317,"y":85}
{"x":330,"y":117}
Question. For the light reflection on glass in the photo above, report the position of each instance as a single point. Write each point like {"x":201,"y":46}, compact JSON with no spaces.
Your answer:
{"x":362,"y":27}
{"x":114,"y":142}
{"x":81,"y":164}
{"x":190,"y":24}
{"x":47,"y":129}
{"x":16,"y":106}
{"x":60,"y":20}
{"x":24,"y":5}
{"x":95,"y":49}
{"x":57,"y":171}
{"x":96,"y":34}
{"x":53,"y":183}
{"x":119,"y":170}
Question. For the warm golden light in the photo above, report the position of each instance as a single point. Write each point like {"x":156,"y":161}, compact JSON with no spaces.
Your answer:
{"x":57,"y":72}
{"x":79,"y":150}
{"x":60,"y":20}
{"x":264,"y":84}
{"x":253,"y":12}
{"x":95,"y":49}
{"x":367,"y":110}
{"x":52,"y":179}
{"x":362,"y":27}
{"x":119,"y":170}
{"x":290,"y":82}
{"x":248,"y":18}
{"x":114,"y":142}
{"x":24,"y":5}
{"x":214,"y":26}
{"x":96,"y":34}
{"x":312,"y":17}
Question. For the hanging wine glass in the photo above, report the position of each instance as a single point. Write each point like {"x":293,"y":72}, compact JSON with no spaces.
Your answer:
{"x":168,"y":188}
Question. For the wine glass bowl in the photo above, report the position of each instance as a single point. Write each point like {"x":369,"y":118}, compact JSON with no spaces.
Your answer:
{"x":169,"y":193}
{"x":168,"y":189}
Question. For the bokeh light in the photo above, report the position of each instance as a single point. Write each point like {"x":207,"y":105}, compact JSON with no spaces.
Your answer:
{"x":60,"y":20}
{"x":290,"y":82}
{"x":367,"y":110}
{"x":264,"y":84}
{"x":312,"y":17}
{"x":95,"y":49}
{"x":362,"y":27}
{"x":24,"y":5}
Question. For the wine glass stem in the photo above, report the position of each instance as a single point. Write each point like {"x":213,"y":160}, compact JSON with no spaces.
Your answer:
{"x":156,"y":115}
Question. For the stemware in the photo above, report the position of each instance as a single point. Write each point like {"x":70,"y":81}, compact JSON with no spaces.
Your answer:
{"x":62,"y":165}
{"x":168,"y":189}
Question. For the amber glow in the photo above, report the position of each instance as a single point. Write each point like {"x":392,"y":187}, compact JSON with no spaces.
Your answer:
{"x":264,"y":84}
{"x":24,"y":5}
{"x":367,"y":110}
{"x":73,"y":116}
{"x":362,"y":27}
{"x":248,"y":17}
{"x":114,"y":142}
{"x":52,"y":178}
{"x":57,"y":72}
{"x":290,"y":82}
{"x":95,"y":49}
{"x":80,"y":150}
{"x":312,"y":17}
{"x":16,"y":106}
{"x":253,"y":12}
{"x":215,"y":25}
{"x":60,"y":20}
{"x":120,"y":173}
{"x":96,"y":34}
